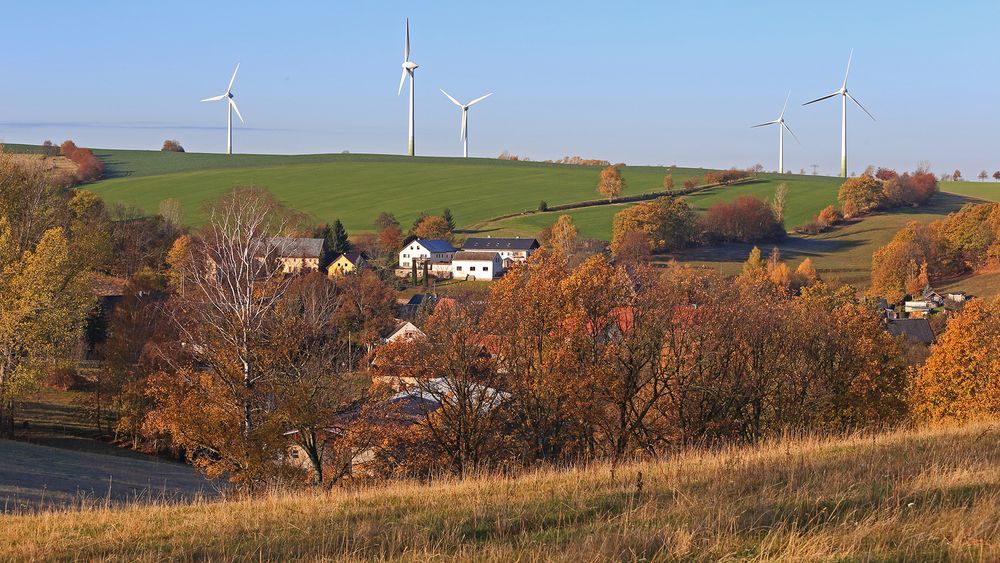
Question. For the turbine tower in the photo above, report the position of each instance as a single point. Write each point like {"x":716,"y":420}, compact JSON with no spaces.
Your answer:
{"x":230,"y":106}
{"x":408,"y":68}
{"x":780,"y":122}
{"x":844,"y":95}
{"x":464,"y":135}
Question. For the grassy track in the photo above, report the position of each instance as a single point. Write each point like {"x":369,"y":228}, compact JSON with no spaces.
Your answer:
{"x":807,"y":195}
{"x":905,"y":495}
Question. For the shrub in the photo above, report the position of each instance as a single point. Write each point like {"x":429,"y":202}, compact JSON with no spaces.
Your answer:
{"x":543,"y":206}
{"x":745,"y":219}
{"x":171,"y":145}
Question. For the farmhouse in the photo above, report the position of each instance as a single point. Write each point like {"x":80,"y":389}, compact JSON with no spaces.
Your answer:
{"x":403,"y":330}
{"x":347,"y":263}
{"x":298,"y":254}
{"x":511,"y":250}
{"x":476,"y":265}
{"x":433,"y":251}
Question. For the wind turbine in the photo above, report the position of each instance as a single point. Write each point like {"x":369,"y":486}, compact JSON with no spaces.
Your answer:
{"x":844,"y":94}
{"x":464,"y":135}
{"x":408,"y":68}
{"x":230,"y":106}
{"x":780,"y":122}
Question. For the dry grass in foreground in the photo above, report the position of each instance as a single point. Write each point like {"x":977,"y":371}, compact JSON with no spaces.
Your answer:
{"x":928,"y":494}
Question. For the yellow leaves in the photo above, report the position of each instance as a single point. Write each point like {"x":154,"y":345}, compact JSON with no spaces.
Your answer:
{"x":961,"y":378}
{"x":611,"y":183}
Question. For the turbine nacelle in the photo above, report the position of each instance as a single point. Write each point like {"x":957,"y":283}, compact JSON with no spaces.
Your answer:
{"x":410,"y":66}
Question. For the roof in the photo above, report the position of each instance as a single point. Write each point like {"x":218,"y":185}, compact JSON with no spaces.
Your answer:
{"x":353,"y":257}
{"x":108,"y":286}
{"x":290,"y":247}
{"x":474,"y":256}
{"x":917,"y":330}
{"x":490,"y":243}
{"x":436,"y":245}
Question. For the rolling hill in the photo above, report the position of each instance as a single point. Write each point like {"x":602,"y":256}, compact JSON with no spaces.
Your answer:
{"x":930,"y":494}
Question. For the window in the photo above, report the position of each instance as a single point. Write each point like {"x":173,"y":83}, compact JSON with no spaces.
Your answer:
{"x":458,"y":268}
{"x":472,"y":268}
{"x":406,"y":256}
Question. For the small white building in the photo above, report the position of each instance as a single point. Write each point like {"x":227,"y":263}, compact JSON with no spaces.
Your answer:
{"x":476,"y":265}
{"x":426,"y":250}
{"x":511,"y":250}
{"x":404,"y":330}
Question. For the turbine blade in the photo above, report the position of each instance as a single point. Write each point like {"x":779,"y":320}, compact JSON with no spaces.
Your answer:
{"x":790,"y":131}
{"x":233,"y":79}
{"x":232,"y":102}
{"x":821,"y":99}
{"x":479,"y":99}
{"x":406,"y":47}
{"x":214,"y":98}
{"x":764,"y":124}
{"x":402,"y":79}
{"x":784,"y":107}
{"x":861,"y":106}
{"x":456,"y":102}
{"x":465,"y":120}
{"x":849,"y":59}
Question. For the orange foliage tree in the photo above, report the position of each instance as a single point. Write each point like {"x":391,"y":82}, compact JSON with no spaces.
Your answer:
{"x":959,"y":380}
{"x":611,"y":184}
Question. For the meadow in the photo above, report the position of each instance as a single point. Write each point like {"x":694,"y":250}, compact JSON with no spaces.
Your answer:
{"x":928,"y":494}
{"x":356,"y":188}
{"x":806,"y":196}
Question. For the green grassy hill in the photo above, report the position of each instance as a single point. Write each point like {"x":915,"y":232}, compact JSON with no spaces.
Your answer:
{"x":906,"y":495}
{"x":807,"y":195}
{"x":988,"y":191}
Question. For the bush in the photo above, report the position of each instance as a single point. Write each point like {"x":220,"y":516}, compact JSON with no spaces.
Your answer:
{"x":745,"y":219}
{"x":171,"y":145}
{"x":543,"y":206}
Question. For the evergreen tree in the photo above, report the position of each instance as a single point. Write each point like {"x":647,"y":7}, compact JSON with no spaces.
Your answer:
{"x":448,"y":219}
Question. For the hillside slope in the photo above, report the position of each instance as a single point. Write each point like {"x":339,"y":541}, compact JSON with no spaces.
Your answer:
{"x":928,"y":494}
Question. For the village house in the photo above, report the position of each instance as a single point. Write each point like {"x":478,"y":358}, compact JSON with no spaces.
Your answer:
{"x":476,"y":265}
{"x":402,"y":331}
{"x":433,"y":251}
{"x":347,"y":263}
{"x":511,"y":250}
{"x":297,"y":255}
{"x":915,"y":330}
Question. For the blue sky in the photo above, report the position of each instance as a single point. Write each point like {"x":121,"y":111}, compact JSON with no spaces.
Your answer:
{"x":638,"y":82}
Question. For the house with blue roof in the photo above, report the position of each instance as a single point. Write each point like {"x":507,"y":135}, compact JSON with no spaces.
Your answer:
{"x":433,"y":251}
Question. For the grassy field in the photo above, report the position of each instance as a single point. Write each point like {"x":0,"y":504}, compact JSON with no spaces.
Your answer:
{"x":842,"y":254}
{"x":905,"y":495}
{"x":355,"y":188}
{"x":807,"y":195}
{"x":989,"y":191}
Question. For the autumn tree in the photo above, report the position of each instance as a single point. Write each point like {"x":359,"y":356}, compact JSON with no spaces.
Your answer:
{"x":996,"y":175}
{"x":170,"y":210}
{"x":983,"y":175}
{"x":778,"y":203}
{"x":171,"y":145}
{"x":829,"y":216}
{"x":860,"y":195}
{"x":563,"y":238}
{"x":227,"y":320}
{"x":959,"y":379}
{"x":668,"y":183}
{"x":745,"y":219}
{"x":433,"y":227}
{"x":611,"y":184}
{"x":633,"y":248}
{"x":956,"y":175}
{"x":669,"y":223}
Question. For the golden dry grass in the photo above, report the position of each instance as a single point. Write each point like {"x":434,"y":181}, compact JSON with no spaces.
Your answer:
{"x":928,"y":494}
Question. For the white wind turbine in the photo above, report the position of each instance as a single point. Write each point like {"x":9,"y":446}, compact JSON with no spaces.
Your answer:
{"x":464,"y":135}
{"x":843,"y":93}
{"x":230,"y":106}
{"x":780,"y":122}
{"x":408,"y":68}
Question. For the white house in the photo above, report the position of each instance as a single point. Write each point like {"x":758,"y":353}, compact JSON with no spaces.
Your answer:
{"x":511,"y":250}
{"x":404,"y":330}
{"x":476,"y":265}
{"x":426,"y":250}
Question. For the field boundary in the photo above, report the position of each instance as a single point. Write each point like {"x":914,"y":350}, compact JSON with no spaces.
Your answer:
{"x":627,"y":199}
